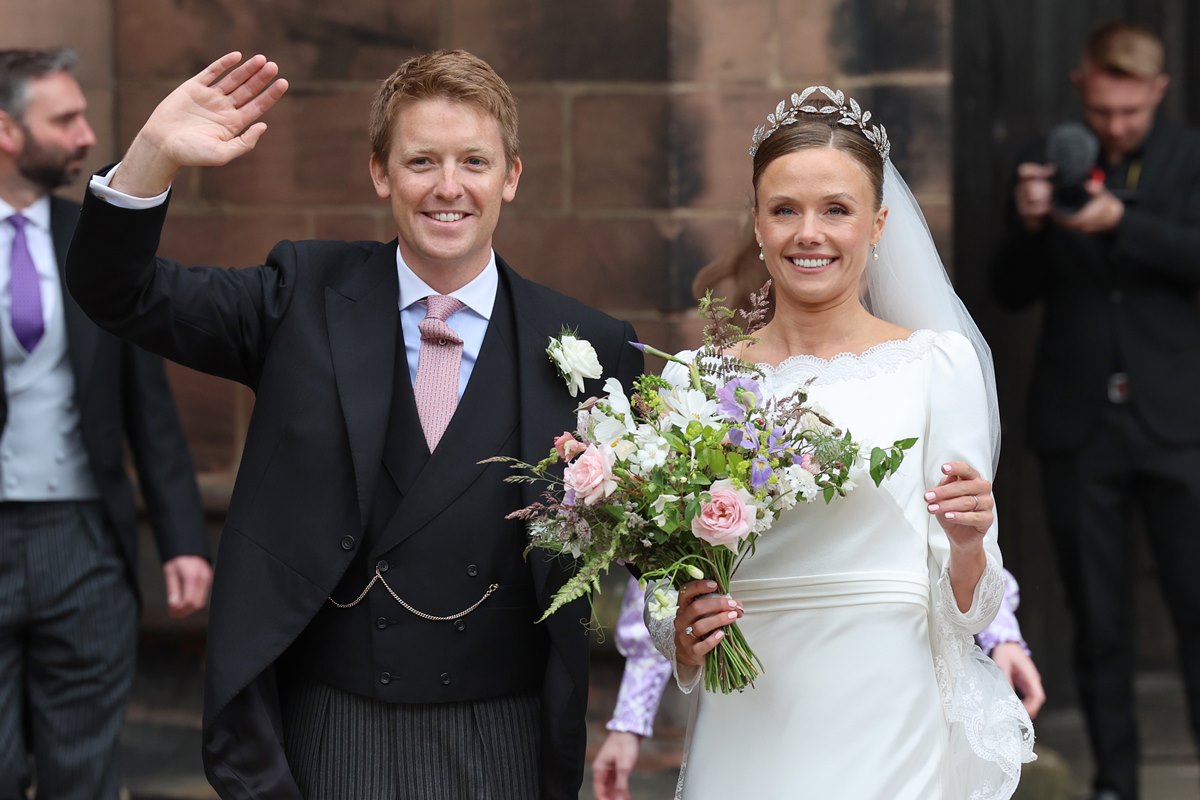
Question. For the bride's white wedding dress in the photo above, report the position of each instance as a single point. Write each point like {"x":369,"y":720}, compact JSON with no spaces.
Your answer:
{"x":873,"y":687}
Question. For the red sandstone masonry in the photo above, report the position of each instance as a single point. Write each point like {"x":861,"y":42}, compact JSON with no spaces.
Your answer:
{"x":542,"y":111}
{"x":619,"y":142}
{"x":618,"y":264}
{"x":721,"y":41}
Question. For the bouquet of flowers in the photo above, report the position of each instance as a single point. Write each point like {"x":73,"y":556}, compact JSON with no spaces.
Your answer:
{"x":680,"y":481}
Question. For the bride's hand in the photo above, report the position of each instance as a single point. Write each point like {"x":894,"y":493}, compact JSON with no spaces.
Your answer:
{"x":700,"y":620}
{"x":963,"y":504}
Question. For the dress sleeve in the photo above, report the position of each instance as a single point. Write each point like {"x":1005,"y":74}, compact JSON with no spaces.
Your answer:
{"x":662,"y":633}
{"x":646,"y":672}
{"x":989,"y":732}
{"x":958,"y":430}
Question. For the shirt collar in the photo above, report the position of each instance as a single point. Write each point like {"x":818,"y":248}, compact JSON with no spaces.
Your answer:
{"x":479,"y":295}
{"x":38,"y":212}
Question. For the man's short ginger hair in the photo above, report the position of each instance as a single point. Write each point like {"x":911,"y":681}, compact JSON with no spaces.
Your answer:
{"x":1125,"y":49}
{"x":449,"y":75}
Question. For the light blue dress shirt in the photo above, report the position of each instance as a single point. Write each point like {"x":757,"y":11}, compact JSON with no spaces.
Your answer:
{"x":470,"y":323}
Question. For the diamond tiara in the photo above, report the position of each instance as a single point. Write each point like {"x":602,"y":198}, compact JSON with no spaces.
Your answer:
{"x":850,"y":114}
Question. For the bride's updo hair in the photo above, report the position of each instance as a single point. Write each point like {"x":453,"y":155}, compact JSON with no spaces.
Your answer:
{"x":815,"y":131}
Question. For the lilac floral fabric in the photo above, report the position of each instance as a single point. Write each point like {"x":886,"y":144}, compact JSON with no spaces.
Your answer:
{"x":646,"y":672}
{"x":1004,"y":627}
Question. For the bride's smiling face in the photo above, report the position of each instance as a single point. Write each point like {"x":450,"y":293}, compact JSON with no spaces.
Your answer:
{"x":815,"y":215}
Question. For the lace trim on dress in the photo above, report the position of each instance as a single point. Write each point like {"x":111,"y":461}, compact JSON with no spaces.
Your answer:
{"x":876,"y":360}
{"x":991,"y":735}
{"x":662,"y":633}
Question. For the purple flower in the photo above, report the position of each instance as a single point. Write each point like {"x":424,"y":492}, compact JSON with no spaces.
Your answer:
{"x":760,"y":473}
{"x":745,"y":437}
{"x":776,"y":443}
{"x":737,"y":397}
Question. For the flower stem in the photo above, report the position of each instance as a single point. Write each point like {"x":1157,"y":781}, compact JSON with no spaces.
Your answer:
{"x":654,"y":351}
{"x":731,"y":665}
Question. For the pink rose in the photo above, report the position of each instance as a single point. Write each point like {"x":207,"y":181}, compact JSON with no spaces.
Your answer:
{"x":727,"y":517}
{"x":568,"y":446}
{"x":590,"y":476}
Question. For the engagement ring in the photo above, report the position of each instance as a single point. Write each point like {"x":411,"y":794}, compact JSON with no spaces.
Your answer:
{"x":688,"y":631}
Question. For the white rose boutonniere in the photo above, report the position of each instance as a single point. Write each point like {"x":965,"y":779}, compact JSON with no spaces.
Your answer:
{"x":575,"y":358}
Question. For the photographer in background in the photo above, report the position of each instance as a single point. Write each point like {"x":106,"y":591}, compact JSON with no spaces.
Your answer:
{"x":1118,"y":370}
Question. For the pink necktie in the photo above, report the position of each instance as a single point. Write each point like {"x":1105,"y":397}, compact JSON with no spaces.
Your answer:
{"x":436,"y":387}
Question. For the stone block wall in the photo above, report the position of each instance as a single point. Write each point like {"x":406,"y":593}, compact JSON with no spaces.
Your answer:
{"x":635,"y":119}
{"x":733,"y":60}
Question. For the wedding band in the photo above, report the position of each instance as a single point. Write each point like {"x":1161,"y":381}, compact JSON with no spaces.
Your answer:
{"x":688,"y":631}
{"x":975,"y":497}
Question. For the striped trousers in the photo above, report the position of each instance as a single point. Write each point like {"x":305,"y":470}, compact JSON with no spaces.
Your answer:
{"x":68,"y":638}
{"x":343,"y":746}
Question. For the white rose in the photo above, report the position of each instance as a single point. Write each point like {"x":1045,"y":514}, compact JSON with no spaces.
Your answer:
{"x":576,"y":359}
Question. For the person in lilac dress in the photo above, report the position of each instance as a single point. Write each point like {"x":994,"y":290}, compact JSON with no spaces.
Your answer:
{"x":647,"y":672}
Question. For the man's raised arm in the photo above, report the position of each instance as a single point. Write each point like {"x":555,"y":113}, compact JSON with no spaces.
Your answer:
{"x":211,"y":119}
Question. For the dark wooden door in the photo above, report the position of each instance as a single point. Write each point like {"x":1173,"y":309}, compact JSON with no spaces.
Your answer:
{"x":1011,"y":62}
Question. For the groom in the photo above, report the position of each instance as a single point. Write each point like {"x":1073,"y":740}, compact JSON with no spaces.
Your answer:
{"x":372,"y":630}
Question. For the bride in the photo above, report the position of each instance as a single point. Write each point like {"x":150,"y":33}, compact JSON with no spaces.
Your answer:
{"x":862,"y":610}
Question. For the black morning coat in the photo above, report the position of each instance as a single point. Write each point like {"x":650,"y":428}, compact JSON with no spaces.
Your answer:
{"x":313,"y":333}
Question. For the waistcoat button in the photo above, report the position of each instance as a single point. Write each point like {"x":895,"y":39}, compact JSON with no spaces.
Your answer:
{"x":381,"y":623}
{"x":472,"y":570}
{"x":385,"y":678}
{"x":445,"y":679}
{"x":347,"y":542}
{"x":382,"y":566}
{"x":459,"y":625}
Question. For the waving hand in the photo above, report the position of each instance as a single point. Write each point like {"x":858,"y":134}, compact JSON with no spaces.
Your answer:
{"x":209,"y":120}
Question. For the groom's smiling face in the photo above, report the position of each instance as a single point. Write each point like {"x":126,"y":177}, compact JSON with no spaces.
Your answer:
{"x":446,"y":178}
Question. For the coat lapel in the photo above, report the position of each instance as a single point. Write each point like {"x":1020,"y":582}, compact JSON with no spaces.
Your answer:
{"x":81,"y":331}
{"x":362,"y":317}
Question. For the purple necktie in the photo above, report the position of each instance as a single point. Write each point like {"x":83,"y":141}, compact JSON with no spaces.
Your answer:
{"x":24,"y":289}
